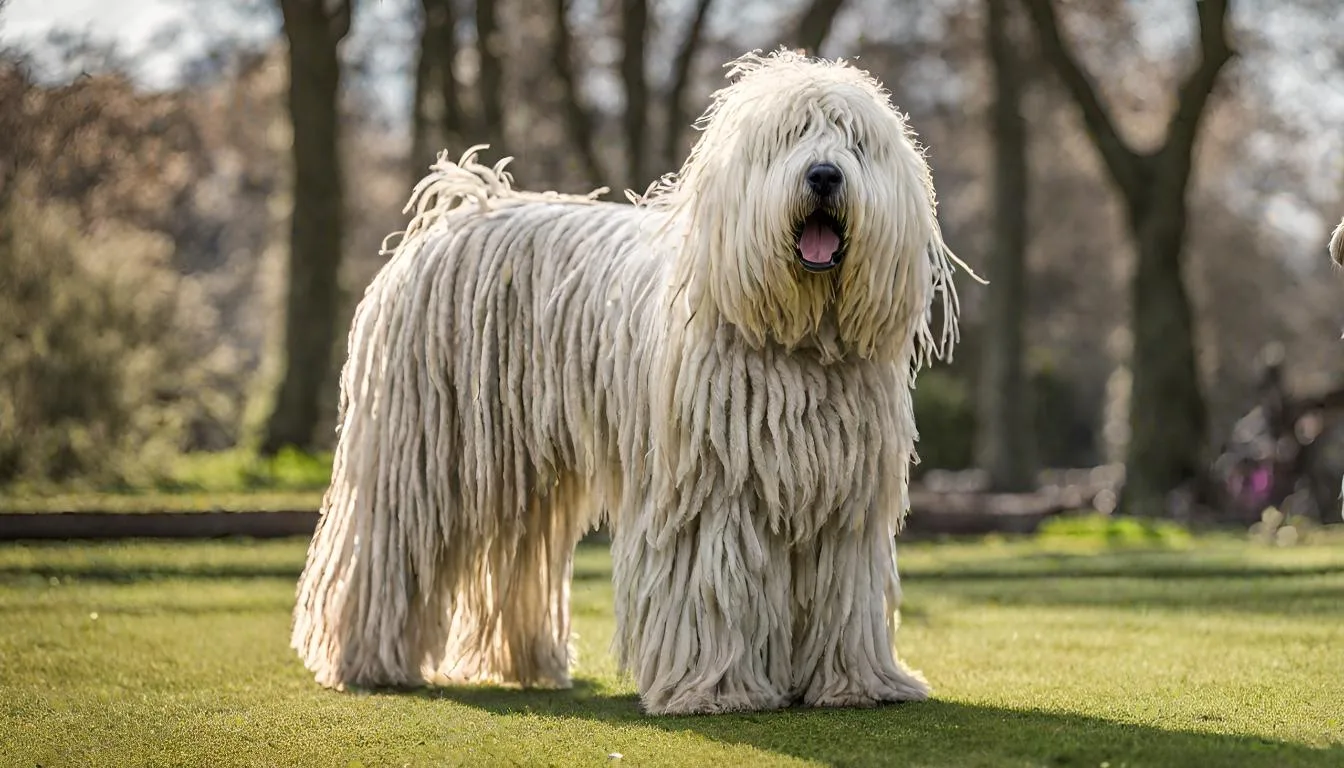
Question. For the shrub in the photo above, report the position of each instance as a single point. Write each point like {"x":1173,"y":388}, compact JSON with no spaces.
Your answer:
{"x":945,"y":414}
{"x":242,"y":470}
{"x":105,"y":355}
{"x":1096,"y":528}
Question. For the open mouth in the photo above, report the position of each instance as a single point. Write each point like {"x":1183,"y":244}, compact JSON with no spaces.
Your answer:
{"x":821,"y":242}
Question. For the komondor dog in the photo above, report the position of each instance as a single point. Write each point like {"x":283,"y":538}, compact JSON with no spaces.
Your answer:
{"x":721,"y":372}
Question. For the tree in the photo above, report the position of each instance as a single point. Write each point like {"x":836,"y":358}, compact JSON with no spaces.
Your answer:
{"x":634,"y":30}
{"x":578,"y":120}
{"x":314,"y":30}
{"x":1004,"y":432}
{"x":108,"y":364}
{"x":681,"y":76}
{"x":436,"y":111}
{"x":490,"y":48}
{"x":815,"y":24}
{"x":1167,"y":412}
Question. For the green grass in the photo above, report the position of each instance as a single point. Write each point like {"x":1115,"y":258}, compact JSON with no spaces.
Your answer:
{"x":240,"y":470}
{"x":1205,"y":652}
{"x":159,"y":501}
{"x":195,"y":482}
{"x":164,"y":502}
{"x":1093,"y":527}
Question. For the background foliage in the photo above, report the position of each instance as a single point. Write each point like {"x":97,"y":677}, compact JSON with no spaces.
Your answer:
{"x":145,"y":240}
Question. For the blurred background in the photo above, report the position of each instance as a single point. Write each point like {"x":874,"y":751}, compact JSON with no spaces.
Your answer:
{"x":193,"y":196}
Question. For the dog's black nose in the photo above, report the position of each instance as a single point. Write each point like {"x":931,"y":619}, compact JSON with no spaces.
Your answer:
{"x":824,"y":179}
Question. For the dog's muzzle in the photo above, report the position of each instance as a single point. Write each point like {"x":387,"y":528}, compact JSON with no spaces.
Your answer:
{"x":820,"y":240}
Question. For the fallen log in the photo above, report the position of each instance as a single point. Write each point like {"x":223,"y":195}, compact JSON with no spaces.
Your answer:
{"x":933,"y":513}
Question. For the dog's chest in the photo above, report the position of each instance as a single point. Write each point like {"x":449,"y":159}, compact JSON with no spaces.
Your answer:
{"x":804,"y":439}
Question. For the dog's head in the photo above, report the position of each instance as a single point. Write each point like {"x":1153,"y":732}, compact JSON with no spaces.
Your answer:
{"x":808,"y":213}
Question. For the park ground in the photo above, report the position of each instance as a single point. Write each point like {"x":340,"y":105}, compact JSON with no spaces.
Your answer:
{"x":1051,"y":651}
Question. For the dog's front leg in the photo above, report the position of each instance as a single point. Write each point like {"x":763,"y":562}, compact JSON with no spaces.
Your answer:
{"x":849,"y":594}
{"x":703,"y":610}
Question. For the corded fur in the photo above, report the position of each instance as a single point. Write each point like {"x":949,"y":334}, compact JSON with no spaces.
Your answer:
{"x":527,"y":365}
{"x":1337,"y":244}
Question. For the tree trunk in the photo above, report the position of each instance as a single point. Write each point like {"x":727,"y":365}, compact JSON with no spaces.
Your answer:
{"x":422,"y":108}
{"x":1004,"y":435}
{"x":314,"y":34}
{"x":14,"y":150}
{"x":814,"y":26}
{"x":1167,"y":414}
{"x":634,"y":29}
{"x":578,"y":121}
{"x":681,"y":76}
{"x":442,"y":20}
{"x":436,"y":110}
{"x":490,"y":48}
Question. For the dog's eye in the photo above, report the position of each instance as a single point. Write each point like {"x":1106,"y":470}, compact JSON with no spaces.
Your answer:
{"x":860,"y":149}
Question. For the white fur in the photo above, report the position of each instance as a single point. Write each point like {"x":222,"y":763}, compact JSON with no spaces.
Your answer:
{"x":1337,"y":244}
{"x":527,"y":365}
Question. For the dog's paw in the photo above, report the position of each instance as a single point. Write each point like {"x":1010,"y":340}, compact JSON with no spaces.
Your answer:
{"x":865,"y":699}
{"x":700,"y":702}
{"x":905,"y":686}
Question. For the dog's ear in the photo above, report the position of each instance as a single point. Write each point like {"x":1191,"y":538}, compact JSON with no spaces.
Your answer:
{"x":1337,"y":244}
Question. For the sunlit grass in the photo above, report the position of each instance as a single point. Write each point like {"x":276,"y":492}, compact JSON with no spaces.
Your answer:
{"x":233,"y":471}
{"x":196,"y":482}
{"x":1214,"y":652}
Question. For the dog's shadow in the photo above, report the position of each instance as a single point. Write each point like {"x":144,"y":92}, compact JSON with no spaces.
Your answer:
{"x":931,"y":733}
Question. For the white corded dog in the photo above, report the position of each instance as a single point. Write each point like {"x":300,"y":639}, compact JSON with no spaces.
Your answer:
{"x":721,"y":371}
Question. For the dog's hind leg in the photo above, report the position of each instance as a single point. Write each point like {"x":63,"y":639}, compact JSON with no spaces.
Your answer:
{"x":509,"y":620}
{"x":392,"y":548}
{"x":359,"y":618}
{"x":535,"y":619}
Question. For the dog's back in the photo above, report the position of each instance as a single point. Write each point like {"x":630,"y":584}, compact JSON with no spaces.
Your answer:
{"x":477,"y":405}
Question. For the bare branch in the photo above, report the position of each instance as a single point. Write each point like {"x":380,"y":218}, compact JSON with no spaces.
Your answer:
{"x":1127,"y":167}
{"x":577,"y":118}
{"x":1215,"y":52}
{"x":681,"y":76}
{"x":339,"y":19}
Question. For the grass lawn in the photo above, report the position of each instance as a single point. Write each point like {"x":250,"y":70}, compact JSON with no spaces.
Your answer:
{"x":230,"y":481}
{"x":162,"y":501}
{"x":1219,"y":653}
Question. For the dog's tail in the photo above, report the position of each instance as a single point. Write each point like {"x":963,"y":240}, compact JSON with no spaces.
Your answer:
{"x":465,"y":187}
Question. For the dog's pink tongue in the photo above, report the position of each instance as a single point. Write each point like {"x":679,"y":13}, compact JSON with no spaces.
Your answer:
{"x":818,"y":243}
